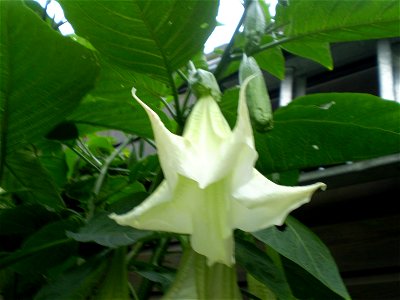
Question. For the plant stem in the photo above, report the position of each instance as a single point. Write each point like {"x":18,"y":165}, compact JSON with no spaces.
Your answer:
{"x":85,"y":150}
{"x":158,"y":254}
{"x":226,"y":56}
{"x":186,"y":101}
{"x":178,"y":114}
{"x":150,"y":142}
{"x":102,"y":175}
{"x":81,"y":155}
{"x":157,"y":180}
{"x":132,"y":290}
{"x":168,"y":107}
{"x":183,"y":76}
{"x":264,"y":47}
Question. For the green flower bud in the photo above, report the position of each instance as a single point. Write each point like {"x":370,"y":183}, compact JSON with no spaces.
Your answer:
{"x":257,"y":97}
{"x":254,"y":25}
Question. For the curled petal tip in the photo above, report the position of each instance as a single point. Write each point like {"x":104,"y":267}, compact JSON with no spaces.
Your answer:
{"x":133,"y":91}
{"x":322,"y":186}
{"x":114,"y":216}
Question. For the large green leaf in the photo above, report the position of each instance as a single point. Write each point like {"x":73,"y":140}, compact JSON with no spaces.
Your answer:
{"x":297,"y":243}
{"x":123,"y":115}
{"x":310,"y":25}
{"x":111,"y":104}
{"x":332,"y":128}
{"x":32,"y":182}
{"x":78,"y":284}
{"x":271,"y":60}
{"x":43,"y":249}
{"x":300,"y":282}
{"x":323,"y":129}
{"x":115,"y":83}
{"x":43,"y":76}
{"x":52,"y":234}
{"x":339,"y":21}
{"x":153,"y":37}
{"x":314,"y":50}
{"x":104,"y":231}
{"x":261,"y":267}
{"x":23,"y":220}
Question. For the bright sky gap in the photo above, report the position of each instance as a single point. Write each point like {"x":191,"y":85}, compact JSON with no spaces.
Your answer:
{"x":229,"y":14}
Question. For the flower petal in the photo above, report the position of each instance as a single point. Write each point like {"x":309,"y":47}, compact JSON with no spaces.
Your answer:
{"x":206,"y":127}
{"x":212,"y":225}
{"x":216,"y":150}
{"x":206,"y":131}
{"x":243,"y":129}
{"x":170,"y":147}
{"x":161,"y":211}
{"x":210,"y":151}
{"x":261,"y":203}
{"x":243,"y":135}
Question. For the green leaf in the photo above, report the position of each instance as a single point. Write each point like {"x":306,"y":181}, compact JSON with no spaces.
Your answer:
{"x":300,"y":282}
{"x":52,"y":158}
{"x":144,"y":169}
{"x":323,"y":129}
{"x":339,"y":21}
{"x":34,"y":182}
{"x":111,"y":104}
{"x":161,"y":275}
{"x":77,"y":284}
{"x":297,"y":243}
{"x":151,"y":37}
{"x":310,"y":25}
{"x":258,"y":289}
{"x":262,"y":268}
{"x":104,"y":231}
{"x":316,"y":51}
{"x":116,"y":82}
{"x":122,"y":201}
{"x":271,"y":60}
{"x":126,"y":116}
{"x":43,"y":249}
{"x":23,"y":220}
{"x":43,"y":76}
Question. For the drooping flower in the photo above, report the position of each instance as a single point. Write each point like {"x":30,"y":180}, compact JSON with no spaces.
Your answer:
{"x":211,"y":186}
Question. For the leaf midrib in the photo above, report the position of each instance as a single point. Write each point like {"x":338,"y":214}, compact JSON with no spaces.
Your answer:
{"x":313,"y":34}
{"x":157,"y":43}
{"x":5,"y":88}
{"x":337,"y":123}
{"x":313,"y":262}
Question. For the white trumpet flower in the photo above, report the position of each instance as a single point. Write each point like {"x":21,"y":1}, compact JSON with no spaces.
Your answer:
{"x":211,"y":186}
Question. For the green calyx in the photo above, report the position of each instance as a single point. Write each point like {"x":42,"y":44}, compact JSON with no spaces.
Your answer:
{"x":203,"y":83}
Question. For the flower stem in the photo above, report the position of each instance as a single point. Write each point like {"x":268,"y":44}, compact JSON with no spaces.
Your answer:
{"x":226,"y":56}
{"x":102,"y":176}
{"x":196,"y":280}
{"x":158,"y":254}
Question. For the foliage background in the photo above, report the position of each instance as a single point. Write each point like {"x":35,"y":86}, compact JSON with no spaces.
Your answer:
{"x":59,"y":178}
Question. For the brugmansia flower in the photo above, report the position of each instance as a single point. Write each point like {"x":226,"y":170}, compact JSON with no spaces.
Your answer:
{"x":211,"y":186}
